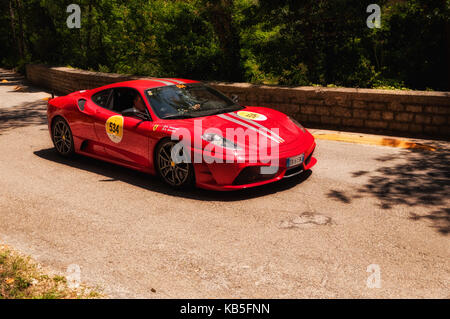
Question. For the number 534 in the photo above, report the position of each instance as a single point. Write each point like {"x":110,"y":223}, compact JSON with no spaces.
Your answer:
{"x":114,"y":128}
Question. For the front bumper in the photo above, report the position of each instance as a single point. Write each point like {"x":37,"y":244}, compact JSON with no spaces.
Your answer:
{"x":234,"y":176}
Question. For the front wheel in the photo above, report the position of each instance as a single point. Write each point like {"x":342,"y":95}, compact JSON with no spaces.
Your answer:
{"x":177,"y":175}
{"x":62,"y":138}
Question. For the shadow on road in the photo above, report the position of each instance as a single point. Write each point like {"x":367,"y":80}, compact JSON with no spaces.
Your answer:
{"x":415,"y":178}
{"x":113,"y":172}
{"x":412,"y":178}
{"x":8,"y":77}
{"x":26,"y":114}
{"x":340,"y":196}
{"x":20,"y":87}
{"x":440,"y":219}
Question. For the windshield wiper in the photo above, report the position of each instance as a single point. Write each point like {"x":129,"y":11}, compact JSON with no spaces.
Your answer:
{"x":177,"y":116}
{"x":225,"y":110}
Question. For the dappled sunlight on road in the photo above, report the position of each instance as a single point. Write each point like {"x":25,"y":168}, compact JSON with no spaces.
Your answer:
{"x":416,"y":179}
{"x":26,"y":114}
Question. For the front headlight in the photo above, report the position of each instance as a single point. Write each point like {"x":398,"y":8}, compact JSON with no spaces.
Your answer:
{"x":218,"y":140}
{"x":298,"y":124}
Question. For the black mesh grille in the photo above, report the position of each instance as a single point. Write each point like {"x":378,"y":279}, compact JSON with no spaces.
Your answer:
{"x":251,"y":175}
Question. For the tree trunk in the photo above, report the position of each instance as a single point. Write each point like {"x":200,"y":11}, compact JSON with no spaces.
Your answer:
{"x":447,"y":26}
{"x":13,"y":28}
{"x":22,"y":45}
{"x":220,"y":16}
{"x":88,"y":57}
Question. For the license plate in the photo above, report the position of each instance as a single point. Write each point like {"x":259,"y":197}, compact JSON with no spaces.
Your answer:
{"x":296,"y":160}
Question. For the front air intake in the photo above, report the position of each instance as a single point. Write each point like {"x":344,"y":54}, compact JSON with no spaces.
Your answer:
{"x":252,"y":174}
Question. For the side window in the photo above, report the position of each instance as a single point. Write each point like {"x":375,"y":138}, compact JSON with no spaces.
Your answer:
{"x":101,"y":98}
{"x":126,"y":99}
{"x":123,"y":99}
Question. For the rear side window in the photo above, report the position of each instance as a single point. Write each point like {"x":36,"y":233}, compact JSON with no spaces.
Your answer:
{"x":101,"y":98}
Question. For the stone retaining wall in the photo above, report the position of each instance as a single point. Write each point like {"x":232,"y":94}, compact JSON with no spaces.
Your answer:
{"x":409,"y":113}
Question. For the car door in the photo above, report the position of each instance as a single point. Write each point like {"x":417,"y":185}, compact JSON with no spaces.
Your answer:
{"x":125,"y":138}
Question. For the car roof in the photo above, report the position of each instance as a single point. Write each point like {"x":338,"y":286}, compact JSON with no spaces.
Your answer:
{"x":150,"y":83}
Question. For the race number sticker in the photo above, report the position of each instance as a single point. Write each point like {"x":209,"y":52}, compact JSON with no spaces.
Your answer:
{"x":252,"y":116}
{"x":114,"y":128}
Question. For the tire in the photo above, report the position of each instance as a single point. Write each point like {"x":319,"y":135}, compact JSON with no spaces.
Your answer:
{"x":62,"y":138}
{"x":176,"y":175}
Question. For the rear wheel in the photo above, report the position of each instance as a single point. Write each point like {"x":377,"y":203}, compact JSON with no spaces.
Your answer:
{"x":62,"y":138}
{"x":177,"y":175}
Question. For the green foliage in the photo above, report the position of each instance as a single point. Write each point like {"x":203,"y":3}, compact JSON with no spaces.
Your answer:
{"x":328,"y":42}
{"x":287,"y":42}
{"x":21,"y":278}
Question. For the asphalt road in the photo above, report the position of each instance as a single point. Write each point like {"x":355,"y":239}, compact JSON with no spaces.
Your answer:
{"x":312,"y":236}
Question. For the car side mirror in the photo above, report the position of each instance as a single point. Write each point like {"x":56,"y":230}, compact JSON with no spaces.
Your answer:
{"x":235,"y":98}
{"x":136,"y":113}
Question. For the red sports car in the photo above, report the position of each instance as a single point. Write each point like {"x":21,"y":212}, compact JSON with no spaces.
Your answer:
{"x":182,"y":130}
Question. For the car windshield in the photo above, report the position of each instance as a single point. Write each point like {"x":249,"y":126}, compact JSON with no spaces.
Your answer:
{"x":188,"y":101}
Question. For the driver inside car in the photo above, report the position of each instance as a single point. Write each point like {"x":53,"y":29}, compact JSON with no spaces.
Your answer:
{"x":138,"y":105}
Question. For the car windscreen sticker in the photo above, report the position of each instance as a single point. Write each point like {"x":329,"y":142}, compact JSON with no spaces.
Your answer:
{"x":114,"y":128}
{"x":252,"y":116}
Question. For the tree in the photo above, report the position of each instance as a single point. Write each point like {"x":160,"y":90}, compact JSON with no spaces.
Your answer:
{"x":220,"y":15}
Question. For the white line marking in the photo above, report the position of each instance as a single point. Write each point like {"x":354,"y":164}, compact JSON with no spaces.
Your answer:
{"x":231,"y":119}
{"x":257,"y":124}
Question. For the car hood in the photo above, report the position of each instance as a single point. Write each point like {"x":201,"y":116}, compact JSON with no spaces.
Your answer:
{"x":264,"y":123}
